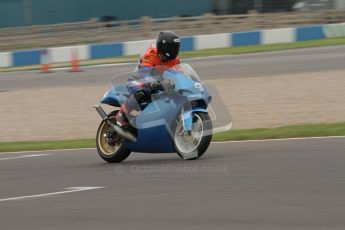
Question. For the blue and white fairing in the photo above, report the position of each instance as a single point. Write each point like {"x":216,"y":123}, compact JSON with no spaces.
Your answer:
{"x":157,"y":121}
{"x":116,"y":95}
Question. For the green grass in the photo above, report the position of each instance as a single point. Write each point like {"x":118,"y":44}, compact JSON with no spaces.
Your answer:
{"x":205,"y":53}
{"x":46,"y":145}
{"x":307,"y":130}
{"x":264,"y":48}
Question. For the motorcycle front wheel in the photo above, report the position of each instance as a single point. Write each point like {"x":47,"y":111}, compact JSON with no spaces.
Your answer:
{"x":110,"y":145}
{"x":197,"y":140}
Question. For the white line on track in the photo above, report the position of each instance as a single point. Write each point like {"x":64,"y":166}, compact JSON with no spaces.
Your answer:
{"x":67,"y":68}
{"x":189,"y":59}
{"x":109,"y":65}
{"x":115,"y":64}
{"x":96,"y":66}
{"x":280,"y":139}
{"x":24,"y":156}
{"x":218,"y":142}
{"x":43,"y":151}
{"x":68,"y":190}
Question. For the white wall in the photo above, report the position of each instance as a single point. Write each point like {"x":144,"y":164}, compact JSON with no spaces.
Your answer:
{"x":334,"y":30}
{"x":5,"y":59}
{"x":211,"y":41}
{"x":63,"y":54}
{"x":137,"y":47}
{"x":274,"y":36}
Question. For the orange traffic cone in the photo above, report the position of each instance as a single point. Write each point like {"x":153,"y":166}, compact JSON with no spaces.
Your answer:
{"x":45,"y":60}
{"x":74,"y":61}
{"x":45,"y":68}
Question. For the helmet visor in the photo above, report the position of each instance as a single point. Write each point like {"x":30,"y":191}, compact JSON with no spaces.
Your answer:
{"x":172,"y":50}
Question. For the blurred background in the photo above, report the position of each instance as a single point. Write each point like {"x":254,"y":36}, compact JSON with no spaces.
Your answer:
{"x":277,"y":66}
{"x":40,"y":12}
{"x":106,"y":36}
{"x":45,"y":23}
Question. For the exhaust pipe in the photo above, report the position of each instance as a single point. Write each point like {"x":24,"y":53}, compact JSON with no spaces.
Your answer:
{"x":125,"y":134}
{"x":101,"y":112}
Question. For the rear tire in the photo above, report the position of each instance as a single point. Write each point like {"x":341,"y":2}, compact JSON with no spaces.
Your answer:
{"x":206,"y":136}
{"x":110,"y":152}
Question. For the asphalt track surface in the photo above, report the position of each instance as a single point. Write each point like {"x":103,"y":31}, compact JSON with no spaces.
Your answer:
{"x":282,"y":184}
{"x":231,"y":66}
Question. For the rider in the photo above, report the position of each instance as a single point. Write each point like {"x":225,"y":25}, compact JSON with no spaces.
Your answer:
{"x":164,"y":54}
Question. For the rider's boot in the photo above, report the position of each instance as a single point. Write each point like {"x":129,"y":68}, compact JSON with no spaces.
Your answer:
{"x":120,"y":117}
{"x":123,"y":127}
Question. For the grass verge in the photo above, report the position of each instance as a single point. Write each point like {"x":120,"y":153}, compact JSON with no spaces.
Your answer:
{"x":203,"y":53}
{"x":264,"y":48}
{"x":46,"y":145}
{"x":307,"y":130}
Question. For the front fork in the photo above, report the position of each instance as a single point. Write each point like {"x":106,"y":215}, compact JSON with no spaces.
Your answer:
{"x":187,"y":118}
{"x":187,"y":121}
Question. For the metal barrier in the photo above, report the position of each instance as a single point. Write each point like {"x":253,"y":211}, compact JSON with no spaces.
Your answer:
{"x":147,"y":28}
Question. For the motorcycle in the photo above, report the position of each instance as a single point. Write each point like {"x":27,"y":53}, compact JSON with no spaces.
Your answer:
{"x":174,"y":120}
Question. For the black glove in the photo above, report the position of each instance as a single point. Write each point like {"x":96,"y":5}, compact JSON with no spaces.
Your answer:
{"x":140,"y":96}
{"x":165,"y":85}
{"x":155,"y":86}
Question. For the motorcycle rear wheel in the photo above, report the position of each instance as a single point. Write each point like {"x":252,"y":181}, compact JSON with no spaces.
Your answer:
{"x":114,"y":152}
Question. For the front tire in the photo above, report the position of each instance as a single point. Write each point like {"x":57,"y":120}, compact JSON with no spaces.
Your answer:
{"x":112,"y":151}
{"x":200,"y":136}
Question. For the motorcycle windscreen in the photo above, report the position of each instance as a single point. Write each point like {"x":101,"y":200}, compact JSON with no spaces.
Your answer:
{"x":200,"y":96}
{"x":184,"y":91}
